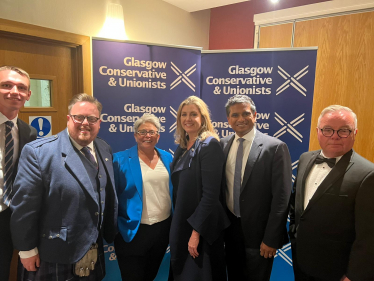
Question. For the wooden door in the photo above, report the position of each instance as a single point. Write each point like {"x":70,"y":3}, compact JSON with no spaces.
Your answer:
{"x":44,"y":60}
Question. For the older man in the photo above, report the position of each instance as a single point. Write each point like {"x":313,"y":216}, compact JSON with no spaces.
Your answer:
{"x":332,"y":206}
{"x":65,"y":201}
{"x":14,"y":134}
{"x":257,"y":189}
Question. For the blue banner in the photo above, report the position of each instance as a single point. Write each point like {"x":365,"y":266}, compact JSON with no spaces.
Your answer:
{"x":281,"y":84}
{"x":131,"y":79}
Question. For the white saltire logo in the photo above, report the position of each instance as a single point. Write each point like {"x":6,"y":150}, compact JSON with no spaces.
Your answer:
{"x":183,"y":76}
{"x":283,"y":253}
{"x":294,"y":166}
{"x":289,"y":127}
{"x":292,"y":80}
{"x":286,"y":248}
{"x":174,"y":125}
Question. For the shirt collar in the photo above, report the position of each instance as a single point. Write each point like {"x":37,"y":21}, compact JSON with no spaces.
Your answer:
{"x":78,"y":146}
{"x":337,"y":158}
{"x":3,"y":119}
{"x":248,"y":136}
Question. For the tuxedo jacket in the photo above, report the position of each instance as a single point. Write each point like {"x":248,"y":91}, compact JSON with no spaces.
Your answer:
{"x":265,"y":191}
{"x":335,"y":233}
{"x":129,"y":187}
{"x":55,"y":206}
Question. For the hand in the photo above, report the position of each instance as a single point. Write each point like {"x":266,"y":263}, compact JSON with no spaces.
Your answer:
{"x":193,"y":243}
{"x":345,"y":278}
{"x":266,"y":251}
{"x":31,"y":264}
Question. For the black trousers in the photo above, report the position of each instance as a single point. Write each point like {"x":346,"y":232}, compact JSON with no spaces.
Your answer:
{"x":299,"y":274}
{"x":243,"y":263}
{"x":140,"y":259}
{"x":6,"y":245}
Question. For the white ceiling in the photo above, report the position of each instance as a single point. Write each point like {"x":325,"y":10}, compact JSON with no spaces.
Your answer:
{"x":198,"y":5}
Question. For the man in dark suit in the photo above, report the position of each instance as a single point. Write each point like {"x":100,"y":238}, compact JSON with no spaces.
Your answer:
{"x":14,"y":134}
{"x":65,"y":201}
{"x":332,"y":205}
{"x":257,"y":189}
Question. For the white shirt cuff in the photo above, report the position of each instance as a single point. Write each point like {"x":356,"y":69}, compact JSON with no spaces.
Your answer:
{"x":28,"y":254}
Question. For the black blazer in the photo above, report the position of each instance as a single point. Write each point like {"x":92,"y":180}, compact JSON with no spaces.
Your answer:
{"x":26,"y":133}
{"x":265,"y":191}
{"x":335,"y":233}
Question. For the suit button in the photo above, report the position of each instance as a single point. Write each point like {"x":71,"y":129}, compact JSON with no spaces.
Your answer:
{"x":50,"y":237}
{"x":102,"y":202}
{"x":102,"y":214}
{"x":97,"y":213}
{"x":99,"y":176}
{"x":58,"y":235}
{"x":101,"y":189}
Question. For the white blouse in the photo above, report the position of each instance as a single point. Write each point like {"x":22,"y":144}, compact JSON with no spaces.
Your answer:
{"x":156,"y":194}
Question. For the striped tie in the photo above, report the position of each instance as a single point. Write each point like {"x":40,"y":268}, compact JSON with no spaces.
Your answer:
{"x":87,"y":153}
{"x":9,"y":149}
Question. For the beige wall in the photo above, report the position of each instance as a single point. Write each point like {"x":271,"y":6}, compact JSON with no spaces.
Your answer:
{"x":153,"y":21}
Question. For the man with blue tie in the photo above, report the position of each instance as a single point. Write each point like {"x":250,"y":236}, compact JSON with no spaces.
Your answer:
{"x":65,"y":201}
{"x":257,"y":187}
{"x":332,"y":205}
{"x":14,"y":134}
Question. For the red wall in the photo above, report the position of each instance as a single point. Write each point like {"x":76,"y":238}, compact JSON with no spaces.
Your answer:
{"x":232,"y":26}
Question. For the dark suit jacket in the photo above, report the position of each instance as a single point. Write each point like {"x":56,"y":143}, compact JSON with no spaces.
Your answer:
{"x":55,"y":207}
{"x":335,"y":233}
{"x":265,"y":191}
{"x":196,"y":180}
{"x":26,"y":133}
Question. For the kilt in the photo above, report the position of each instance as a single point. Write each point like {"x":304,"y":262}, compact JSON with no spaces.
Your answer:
{"x":63,"y":272}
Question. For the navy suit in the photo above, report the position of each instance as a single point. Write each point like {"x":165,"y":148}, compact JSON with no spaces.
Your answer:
{"x":56,"y":206}
{"x":264,"y":196}
{"x":26,"y":134}
{"x":334,"y":235}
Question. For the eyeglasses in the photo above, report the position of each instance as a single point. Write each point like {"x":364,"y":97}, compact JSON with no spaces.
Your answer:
{"x":343,"y":133}
{"x":79,"y":119}
{"x":144,"y":133}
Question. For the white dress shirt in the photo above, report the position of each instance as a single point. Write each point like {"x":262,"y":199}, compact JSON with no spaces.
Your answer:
{"x":15,"y":135}
{"x":316,"y":176}
{"x":230,"y":164}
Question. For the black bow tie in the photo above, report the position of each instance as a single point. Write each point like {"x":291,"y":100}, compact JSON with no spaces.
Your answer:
{"x":330,"y":161}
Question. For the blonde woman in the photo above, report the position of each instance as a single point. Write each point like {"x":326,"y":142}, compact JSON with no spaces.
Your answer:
{"x":196,"y":240}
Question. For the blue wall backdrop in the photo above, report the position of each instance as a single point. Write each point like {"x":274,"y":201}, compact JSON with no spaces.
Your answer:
{"x":131,"y":78}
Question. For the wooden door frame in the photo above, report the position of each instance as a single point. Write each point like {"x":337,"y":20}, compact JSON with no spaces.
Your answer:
{"x":81,"y":42}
